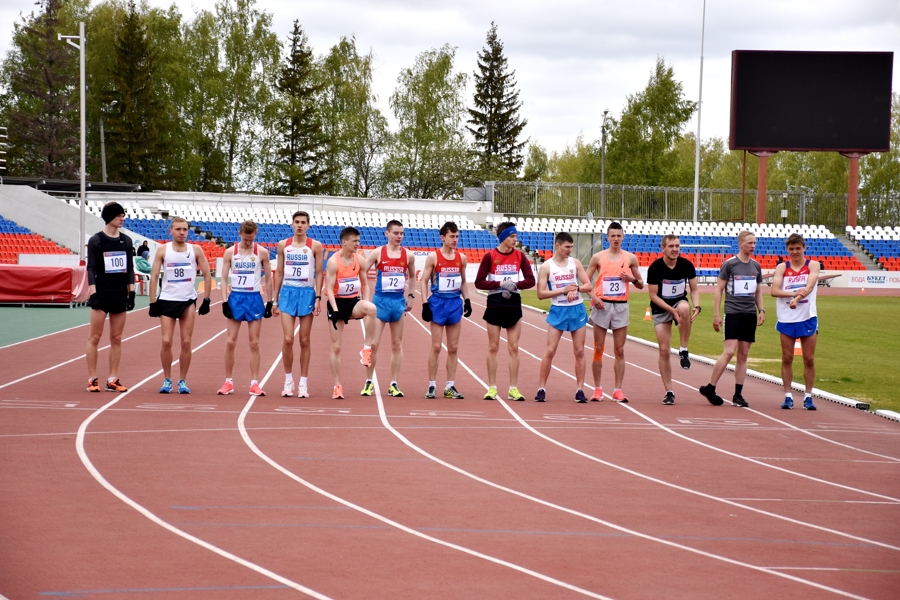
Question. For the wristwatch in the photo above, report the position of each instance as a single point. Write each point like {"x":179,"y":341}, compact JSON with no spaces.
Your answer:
{"x":410,"y":295}
{"x":699,"y":308}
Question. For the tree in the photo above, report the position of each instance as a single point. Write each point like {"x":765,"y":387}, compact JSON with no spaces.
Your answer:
{"x":576,"y":164}
{"x":537,"y":165}
{"x":879,"y":172}
{"x":429,"y":156}
{"x":496,"y":124}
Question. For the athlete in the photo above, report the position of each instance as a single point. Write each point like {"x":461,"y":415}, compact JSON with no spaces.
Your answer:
{"x":445,"y":301}
{"x":110,"y":271}
{"x":794,"y":287}
{"x":739,"y":278}
{"x":668,"y":279}
{"x":616,"y":269}
{"x":178,"y":262}
{"x":345,"y":285}
{"x":395,"y":278}
{"x":504,"y":272}
{"x":245,"y":267}
{"x":298,"y":276}
{"x":562,"y":279}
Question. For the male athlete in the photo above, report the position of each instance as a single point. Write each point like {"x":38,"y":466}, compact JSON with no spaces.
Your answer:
{"x":504,"y":272}
{"x":345,"y":285}
{"x":739,"y":278}
{"x":178,"y":262}
{"x":669,"y":278}
{"x":245,"y":266}
{"x":609,"y":305}
{"x":562,"y":279}
{"x":445,"y":301}
{"x":110,"y":272}
{"x":395,"y":277}
{"x":794,"y":286}
{"x":298,"y":279}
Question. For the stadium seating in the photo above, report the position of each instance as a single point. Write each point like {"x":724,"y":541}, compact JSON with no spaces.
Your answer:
{"x":16,"y":240}
{"x":883,"y":244}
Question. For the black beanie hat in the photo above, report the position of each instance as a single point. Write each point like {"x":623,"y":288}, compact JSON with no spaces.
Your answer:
{"x":111,"y":211}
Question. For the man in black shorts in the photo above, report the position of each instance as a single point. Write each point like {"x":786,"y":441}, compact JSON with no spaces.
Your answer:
{"x":503,"y":272}
{"x":669,"y":278}
{"x":740,"y":278}
{"x":110,"y":271}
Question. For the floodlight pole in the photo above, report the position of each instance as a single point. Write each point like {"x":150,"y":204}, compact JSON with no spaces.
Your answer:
{"x":699,"y":108}
{"x":603,"y":164}
{"x":81,"y":94}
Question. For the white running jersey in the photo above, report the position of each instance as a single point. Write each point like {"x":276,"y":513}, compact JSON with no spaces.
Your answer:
{"x":793,"y":281}
{"x":299,"y":265}
{"x":561,"y":277}
{"x":179,"y":271}
{"x":246,"y":270}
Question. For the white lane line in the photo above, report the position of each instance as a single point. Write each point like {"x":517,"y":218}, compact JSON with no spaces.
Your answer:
{"x":82,"y":454}
{"x":668,"y":484}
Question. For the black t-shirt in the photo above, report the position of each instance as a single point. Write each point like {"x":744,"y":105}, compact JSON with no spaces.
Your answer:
{"x":673,"y":283}
{"x":109,"y":262}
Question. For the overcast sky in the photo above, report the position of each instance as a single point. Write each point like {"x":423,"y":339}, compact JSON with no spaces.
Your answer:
{"x":575,"y":58}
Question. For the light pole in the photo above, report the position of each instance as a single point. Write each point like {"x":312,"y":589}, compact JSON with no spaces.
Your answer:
{"x":103,"y":143}
{"x":603,"y":164}
{"x":699,"y":108}
{"x":81,"y":94}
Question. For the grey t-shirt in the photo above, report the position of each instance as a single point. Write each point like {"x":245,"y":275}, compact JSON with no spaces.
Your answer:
{"x":742,"y":280}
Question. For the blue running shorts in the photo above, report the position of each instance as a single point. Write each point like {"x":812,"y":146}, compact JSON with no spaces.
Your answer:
{"x":567,"y":318}
{"x":246,"y":306}
{"x":297,"y":301}
{"x":798,"y":330}
{"x":445,"y":311}
{"x":390,"y":306}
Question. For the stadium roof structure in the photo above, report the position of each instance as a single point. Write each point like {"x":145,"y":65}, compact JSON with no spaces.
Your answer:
{"x":69,"y":185}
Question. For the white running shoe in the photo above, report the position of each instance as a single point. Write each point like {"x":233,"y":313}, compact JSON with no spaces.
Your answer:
{"x":288,"y":389}
{"x":302,"y":392}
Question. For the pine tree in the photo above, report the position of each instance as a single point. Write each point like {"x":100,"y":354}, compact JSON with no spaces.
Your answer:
{"x":495,"y":120}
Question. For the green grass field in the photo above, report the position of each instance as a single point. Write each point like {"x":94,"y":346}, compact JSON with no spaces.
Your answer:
{"x":856,"y":355}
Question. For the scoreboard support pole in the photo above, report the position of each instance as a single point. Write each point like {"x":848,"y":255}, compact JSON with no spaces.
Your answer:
{"x":762,"y":176}
{"x":853,"y":186}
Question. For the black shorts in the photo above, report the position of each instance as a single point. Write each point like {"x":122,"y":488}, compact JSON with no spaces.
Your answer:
{"x":174,"y":308}
{"x":345,"y":307}
{"x":109,"y":302}
{"x":740,"y":327}
{"x":502,"y":312}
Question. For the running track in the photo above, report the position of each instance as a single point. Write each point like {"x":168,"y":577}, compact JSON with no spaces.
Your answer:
{"x":147,"y":496}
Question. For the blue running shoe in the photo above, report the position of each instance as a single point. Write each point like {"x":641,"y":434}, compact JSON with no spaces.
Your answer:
{"x":580,"y":397}
{"x":808,"y":404}
{"x":166,"y":387}
{"x":788,"y":403}
{"x":182,"y":387}
{"x":541,"y":396}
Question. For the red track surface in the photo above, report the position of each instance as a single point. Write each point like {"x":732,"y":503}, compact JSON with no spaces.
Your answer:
{"x":415,"y":498}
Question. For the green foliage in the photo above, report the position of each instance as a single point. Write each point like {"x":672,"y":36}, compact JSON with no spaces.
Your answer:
{"x":537,"y":165}
{"x":579,"y":163}
{"x":879,"y":173}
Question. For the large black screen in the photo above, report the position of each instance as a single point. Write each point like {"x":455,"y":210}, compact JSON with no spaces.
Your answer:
{"x":838,"y":101}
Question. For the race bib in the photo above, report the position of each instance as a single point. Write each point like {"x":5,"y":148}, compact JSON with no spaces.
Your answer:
{"x":393,"y":282}
{"x":115,"y":262}
{"x":744,"y":285}
{"x":178,"y":272}
{"x":671,"y":289}
{"x":449,"y":283}
{"x":613,"y":286}
{"x":795,"y":282}
{"x":296,"y":271}
{"x":348,"y":286}
{"x":242,"y":280}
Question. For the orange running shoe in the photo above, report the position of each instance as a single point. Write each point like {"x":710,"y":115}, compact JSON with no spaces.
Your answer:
{"x":598,"y":395}
{"x":619,"y":396}
{"x":255,"y":390}
{"x":338,"y":392}
{"x":227,"y":388}
{"x":93,"y":385}
{"x":365,"y":357}
{"x":115,"y":386}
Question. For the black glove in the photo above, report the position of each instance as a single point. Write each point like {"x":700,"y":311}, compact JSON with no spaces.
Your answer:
{"x":426,"y":312}
{"x":268,"y":313}
{"x":226,"y":310}
{"x":467,"y":308}
{"x":333,"y":316}
{"x":94,"y":301}
{"x":129,"y":303}
{"x":154,"y":309}
{"x":204,"y":307}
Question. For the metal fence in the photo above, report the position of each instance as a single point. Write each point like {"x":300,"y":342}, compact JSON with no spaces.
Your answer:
{"x":528,"y":198}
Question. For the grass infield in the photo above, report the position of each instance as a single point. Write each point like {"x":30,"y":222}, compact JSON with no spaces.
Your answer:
{"x":856,"y":355}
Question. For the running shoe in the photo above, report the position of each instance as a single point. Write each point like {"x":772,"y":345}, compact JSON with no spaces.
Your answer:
{"x":394,"y":391}
{"x":515,"y":394}
{"x":182,"y":387}
{"x":685,"y":359}
{"x":365,"y":357}
{"x":452,"y":393}
{"x":669,"y":399}
{"x":580,"y":397}
{"x":288,"y":389}
{"x":367,"y":389}
{"x":619,"y":396}
{"x":115,"y":386}
{"x":598,"y":395}
{"x":541,"y":396}
{"x":491,"y":393}
{"x":788,"y":403}
{"x":808,"y":404}
{"x":227,"y":388}
{"x":431,"y":392}
{"x":255,"y":390}
{"x":93,"y":385}
{"x":338,"y":392}
{"x":709,"y":392}
{"x":302,"y":391}
{"x":166,"y":387}
{"x":739,"y":401}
